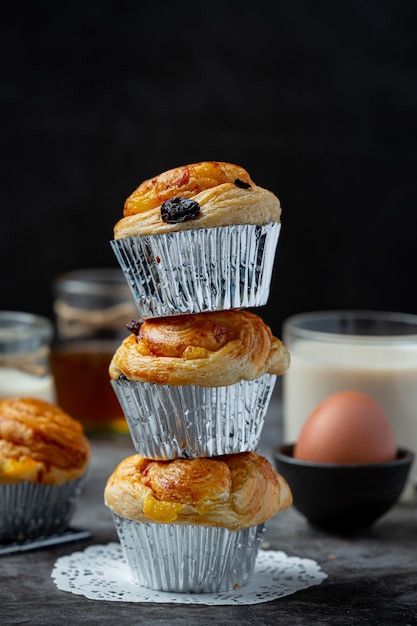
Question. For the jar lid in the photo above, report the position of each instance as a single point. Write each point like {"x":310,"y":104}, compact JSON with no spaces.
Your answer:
{"x":96,"y":281}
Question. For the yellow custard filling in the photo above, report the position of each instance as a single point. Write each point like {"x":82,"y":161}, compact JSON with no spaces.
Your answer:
{"x":161,"y":510}
{"x":23,"y":468}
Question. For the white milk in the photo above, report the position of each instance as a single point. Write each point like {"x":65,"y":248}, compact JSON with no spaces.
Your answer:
{"x":15,"y":383}
{"x":386,"y":372}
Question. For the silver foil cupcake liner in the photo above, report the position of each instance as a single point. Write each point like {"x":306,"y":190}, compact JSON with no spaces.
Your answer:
{"x":188,"y":559}
{"x":193,"y":271}
{"x":31,"y":510}
{"x":168,"y":422}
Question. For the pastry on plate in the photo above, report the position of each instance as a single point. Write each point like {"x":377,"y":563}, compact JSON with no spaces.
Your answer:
{"x":44,"y":456}
{"x":197,"y":384}
{"x":199,"y":237}
{"x":194,"y":524}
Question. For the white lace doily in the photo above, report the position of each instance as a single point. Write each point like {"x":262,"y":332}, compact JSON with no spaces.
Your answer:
{"x":100,"y":572}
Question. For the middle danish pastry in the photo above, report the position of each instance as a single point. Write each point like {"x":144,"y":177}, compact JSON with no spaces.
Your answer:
{"x":215,"y":373}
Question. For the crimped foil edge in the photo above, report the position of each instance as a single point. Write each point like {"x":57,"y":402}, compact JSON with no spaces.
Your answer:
{"x":30,"y":510}
{"x":168,"y":422}
{"x":188,"y":559}
{"x":199,"y":270}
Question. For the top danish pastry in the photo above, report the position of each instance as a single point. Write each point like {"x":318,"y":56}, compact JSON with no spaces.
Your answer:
{"x":40,"y":443}
{"x":201,"y":195}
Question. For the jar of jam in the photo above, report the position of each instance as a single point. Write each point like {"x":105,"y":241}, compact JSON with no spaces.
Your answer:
{"x":92,"y":308}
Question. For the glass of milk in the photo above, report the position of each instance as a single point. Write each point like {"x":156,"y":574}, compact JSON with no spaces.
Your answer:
{"x":25,"y":341}
{"x":370,"y":351}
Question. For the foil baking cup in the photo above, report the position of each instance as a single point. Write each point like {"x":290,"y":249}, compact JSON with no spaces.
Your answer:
{"x":30,"y":510}
{"x":169,"y":422}
{"x":193,"y":271}
{"x":188,"y":559}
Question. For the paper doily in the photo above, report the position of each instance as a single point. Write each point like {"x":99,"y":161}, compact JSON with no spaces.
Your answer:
{"x":101,"y":572}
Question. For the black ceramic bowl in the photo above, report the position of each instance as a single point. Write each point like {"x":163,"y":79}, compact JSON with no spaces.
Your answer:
{"x":343,"y":498}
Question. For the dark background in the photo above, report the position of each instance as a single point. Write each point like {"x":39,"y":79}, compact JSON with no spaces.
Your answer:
{"x":317,"y":100}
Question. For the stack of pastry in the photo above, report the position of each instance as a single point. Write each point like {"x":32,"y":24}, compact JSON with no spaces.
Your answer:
{"x":195,"y":377}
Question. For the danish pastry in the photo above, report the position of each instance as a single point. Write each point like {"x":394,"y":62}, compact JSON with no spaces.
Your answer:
{"x":205,"y":349}
{"x":233,"y":491}
{"x":202,"y":195}
{"x":40,"y":443}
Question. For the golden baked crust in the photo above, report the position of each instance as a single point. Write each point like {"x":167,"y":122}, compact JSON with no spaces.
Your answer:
{"x":225,"y":192}
{"x":234,"y":491}
{"x":203,"y":349}
{"x":40,"y":443}
{"x":185,"y":181}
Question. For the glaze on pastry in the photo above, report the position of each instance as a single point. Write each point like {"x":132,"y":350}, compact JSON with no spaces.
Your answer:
{"x":234,"y":491}
{"x":224,"y":193}
{"x":205,"y":349}
{"x":40,"y":443}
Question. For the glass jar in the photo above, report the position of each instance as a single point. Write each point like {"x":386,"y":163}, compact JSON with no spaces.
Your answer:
{"x":92,"y":308}
{"x":25,"y":341}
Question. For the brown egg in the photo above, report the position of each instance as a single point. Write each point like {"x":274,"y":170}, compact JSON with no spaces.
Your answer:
{"x":347,"y":427}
